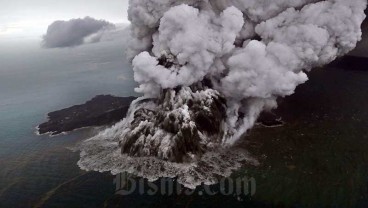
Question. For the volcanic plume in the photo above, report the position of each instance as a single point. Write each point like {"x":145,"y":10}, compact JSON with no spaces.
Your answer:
{"x":207,"y":69}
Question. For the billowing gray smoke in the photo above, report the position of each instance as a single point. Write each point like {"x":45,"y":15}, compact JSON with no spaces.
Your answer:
{"x":75,"y":32}
{"x":207,"y":69}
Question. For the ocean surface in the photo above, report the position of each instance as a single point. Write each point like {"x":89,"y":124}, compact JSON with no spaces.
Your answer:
{"x":33,"y":82}
{"x":318,"y":158}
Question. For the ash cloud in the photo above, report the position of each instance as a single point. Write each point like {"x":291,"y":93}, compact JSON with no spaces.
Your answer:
{"x":207,"y":69}
{"x":75,"y":32}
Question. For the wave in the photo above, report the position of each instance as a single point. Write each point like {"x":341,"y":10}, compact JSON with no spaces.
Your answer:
{"x":102,"y":153}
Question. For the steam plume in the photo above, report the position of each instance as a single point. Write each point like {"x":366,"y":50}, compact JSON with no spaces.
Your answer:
{"x":207,"y":69}
{"x":75,"y":32}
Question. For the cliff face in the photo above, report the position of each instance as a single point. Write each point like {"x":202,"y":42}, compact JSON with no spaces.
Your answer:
{"x":101,"y":110}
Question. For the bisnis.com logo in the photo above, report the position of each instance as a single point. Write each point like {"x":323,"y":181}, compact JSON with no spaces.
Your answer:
{"x":127,"y":184}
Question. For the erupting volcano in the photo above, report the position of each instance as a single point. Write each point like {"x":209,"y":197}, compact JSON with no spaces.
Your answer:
{"x":207,"y":69}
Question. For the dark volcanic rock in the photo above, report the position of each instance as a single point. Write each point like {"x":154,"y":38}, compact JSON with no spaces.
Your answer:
{"x":101,"y":110}
{"x":184,"y":122}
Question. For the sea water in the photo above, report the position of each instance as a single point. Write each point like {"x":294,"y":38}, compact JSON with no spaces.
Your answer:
{"x":35,"y":81}
{"x":318,"y":158}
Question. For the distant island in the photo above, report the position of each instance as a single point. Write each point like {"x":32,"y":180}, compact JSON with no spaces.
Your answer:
{"x":101,"y":110}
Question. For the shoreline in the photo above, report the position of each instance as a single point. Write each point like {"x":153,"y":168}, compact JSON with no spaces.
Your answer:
{"x":102,"y":110}
{"x":51,"y":134}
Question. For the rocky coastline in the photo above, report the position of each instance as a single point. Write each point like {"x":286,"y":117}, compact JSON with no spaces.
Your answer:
{"x":101,"y":110}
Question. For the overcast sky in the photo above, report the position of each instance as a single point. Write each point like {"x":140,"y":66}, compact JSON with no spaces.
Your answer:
{"x":30,"y":18}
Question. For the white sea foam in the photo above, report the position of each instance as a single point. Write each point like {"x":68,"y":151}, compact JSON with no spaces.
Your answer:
{"x":103,"y":154}
{"x":235,"y":56}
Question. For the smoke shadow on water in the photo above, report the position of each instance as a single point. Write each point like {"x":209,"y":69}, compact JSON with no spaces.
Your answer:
{"x":317,"y":158}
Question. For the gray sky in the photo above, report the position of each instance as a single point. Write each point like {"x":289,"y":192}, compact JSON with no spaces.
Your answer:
{"x":30,"y":18}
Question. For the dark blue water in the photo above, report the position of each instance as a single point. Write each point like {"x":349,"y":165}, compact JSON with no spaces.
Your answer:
{"x":318,"y":159}
{"x":36,"y":81}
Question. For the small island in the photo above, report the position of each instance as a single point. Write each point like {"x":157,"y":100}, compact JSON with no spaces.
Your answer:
{"x":101,"y":110}
{"x":107,"y":110}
